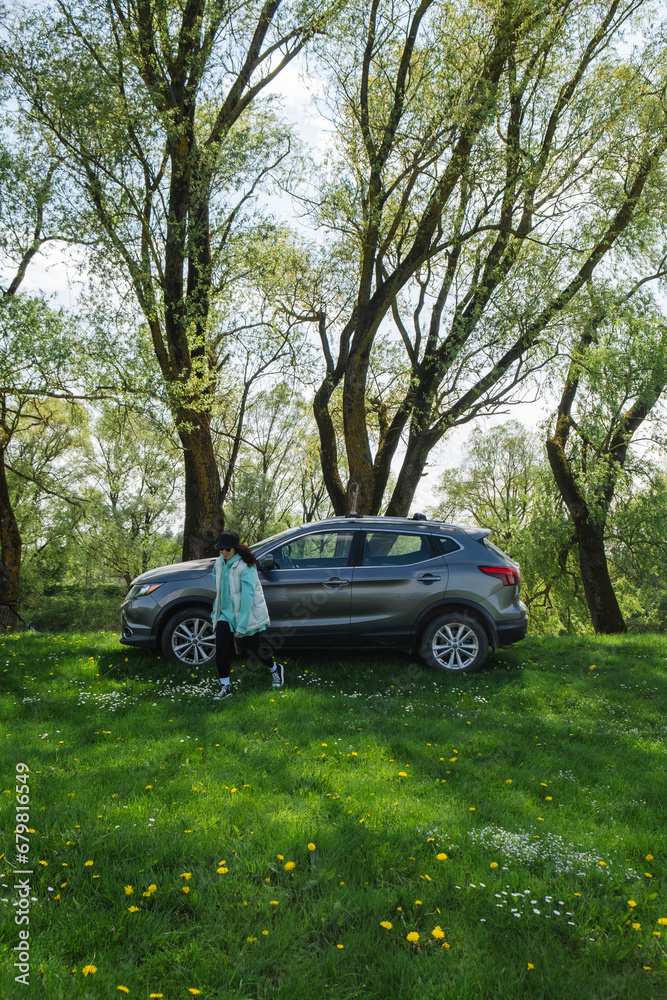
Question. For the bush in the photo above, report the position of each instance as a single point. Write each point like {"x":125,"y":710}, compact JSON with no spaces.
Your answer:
{"x":73,"y":609}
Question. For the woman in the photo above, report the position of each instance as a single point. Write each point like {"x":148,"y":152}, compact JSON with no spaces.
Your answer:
{"x":239,"y":611}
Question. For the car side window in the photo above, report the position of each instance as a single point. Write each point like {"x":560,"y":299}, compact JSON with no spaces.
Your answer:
{"x":446,"y":544}
{"x":391,"y":548}
{"x":323,"y":549}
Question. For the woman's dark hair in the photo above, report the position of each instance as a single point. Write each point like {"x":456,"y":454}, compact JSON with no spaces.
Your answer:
{"x":248,"y":558}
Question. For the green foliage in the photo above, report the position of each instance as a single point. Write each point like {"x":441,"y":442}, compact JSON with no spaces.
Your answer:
{"x":504,"y":483}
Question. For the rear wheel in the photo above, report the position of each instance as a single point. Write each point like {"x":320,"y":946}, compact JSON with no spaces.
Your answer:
{"x":454,"y":642}
{"x":189,"y":638}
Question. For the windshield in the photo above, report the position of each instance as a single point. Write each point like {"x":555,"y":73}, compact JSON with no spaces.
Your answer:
{"x":271,"y":538}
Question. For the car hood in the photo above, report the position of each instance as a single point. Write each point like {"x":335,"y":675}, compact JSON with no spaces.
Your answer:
{"x":178,"y":571}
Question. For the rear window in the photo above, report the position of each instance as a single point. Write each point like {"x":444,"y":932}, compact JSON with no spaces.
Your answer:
{"x":493,"y":548}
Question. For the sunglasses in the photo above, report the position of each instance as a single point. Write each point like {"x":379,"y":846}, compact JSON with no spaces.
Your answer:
{"x":226,"y":548}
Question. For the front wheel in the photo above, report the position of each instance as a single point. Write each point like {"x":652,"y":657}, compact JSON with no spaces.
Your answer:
{"x":189,"y":638}
{"x":454,"y":642}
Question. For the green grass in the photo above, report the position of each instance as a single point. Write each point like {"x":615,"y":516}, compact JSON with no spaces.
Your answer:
{"x":543,"y":781}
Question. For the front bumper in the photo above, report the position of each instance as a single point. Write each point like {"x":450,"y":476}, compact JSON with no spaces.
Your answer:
{"x":137,"y":622}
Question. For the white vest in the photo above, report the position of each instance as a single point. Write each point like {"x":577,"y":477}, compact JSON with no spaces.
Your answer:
{"x":259,"y":615}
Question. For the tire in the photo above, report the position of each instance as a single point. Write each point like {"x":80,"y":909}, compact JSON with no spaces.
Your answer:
{"x":454,"y":642}
{"x":189,"y":638}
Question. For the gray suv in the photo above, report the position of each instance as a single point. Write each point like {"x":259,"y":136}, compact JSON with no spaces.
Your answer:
{"x":354,"y":582}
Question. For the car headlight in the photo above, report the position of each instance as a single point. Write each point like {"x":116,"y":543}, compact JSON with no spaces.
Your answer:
{"x":142,"y":590}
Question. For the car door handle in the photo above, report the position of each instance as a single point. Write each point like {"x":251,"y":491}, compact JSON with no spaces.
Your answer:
{"x":335,"y":583}
{"x":428,"y":578}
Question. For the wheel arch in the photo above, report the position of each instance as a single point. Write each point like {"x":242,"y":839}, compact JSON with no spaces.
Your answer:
{"x":183,"y":603}
{"x":465,"y":607}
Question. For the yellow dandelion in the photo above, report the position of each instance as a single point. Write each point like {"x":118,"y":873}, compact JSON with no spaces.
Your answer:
{"x":648,"y":875}
{"x":149,"y":786}
{"x":289,"y":865}
{"x":387,"y":924}
{"x":340,"y":946}
{"x":265,"y":933}
{"x":494,"y":864}
{"x":662,"y":920}
{"x":631,"y":902}
{"x":222,"y":871}
{"x":128,"y":890}
{"x":548,"y":799}
{"x":274,"y":902}
{"x":251,"y":940}
{"x":87,"y":864}
{"x":153,"y":995}
{"x":123,"y":989}
{"x":186,"y":875}
{"x":311,"y":847}
{"x":636,"y":927}
{"x":89,"y":970}
{"x":412,"y":937}
{"x":133,"y":909}
{"x":649,"y":857}
{"x":602,"y":864}
{"x":402,"y":774}
{"x":438,"y":933}
{"x":441,"y":857}
{"x":530,"y":965}
{"x":45,"y":863}
{"x":185,"y":888}
{"x":508,"y":781}
{"x":471,"y":809}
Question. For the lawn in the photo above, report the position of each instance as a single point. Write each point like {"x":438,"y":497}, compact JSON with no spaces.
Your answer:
{"x":372,"y":830}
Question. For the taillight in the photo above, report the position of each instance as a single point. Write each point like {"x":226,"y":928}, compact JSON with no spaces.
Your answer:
{"x":510,"y":577}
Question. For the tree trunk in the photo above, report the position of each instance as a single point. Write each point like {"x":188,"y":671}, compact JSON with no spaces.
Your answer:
{"x":10,"y":546}
{"x":203,"y":510}
{"x":604,"y":608}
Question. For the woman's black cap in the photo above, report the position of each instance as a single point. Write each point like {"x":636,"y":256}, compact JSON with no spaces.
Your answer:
{"x":227,"y":540}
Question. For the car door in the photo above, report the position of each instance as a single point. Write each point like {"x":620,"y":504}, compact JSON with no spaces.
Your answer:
{"x":308,"y":590}
{"x":400,"y":573}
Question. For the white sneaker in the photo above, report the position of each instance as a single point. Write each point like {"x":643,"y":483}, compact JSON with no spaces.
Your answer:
{"x":224,"y":692}
{"x":278,"y":675}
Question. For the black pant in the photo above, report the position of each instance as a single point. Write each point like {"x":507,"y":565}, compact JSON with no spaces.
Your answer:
{"x":225,"y":648}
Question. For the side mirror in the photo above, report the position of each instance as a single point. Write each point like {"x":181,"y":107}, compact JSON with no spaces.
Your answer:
{"x":265,"y":562}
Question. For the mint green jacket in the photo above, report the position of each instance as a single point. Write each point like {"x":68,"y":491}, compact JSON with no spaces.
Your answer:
{"x":239,"y":599}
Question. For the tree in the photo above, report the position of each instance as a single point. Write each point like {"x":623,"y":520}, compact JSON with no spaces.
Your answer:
{"x":277,"y":478}
{"x":132,"y":488}
{"x":37,"y":362}
{"x":497,"y":481}
{"x":504,"y":483}
{"x":488,"y":159}
{"x":617,"y":374}
{"x":156,"y":110}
